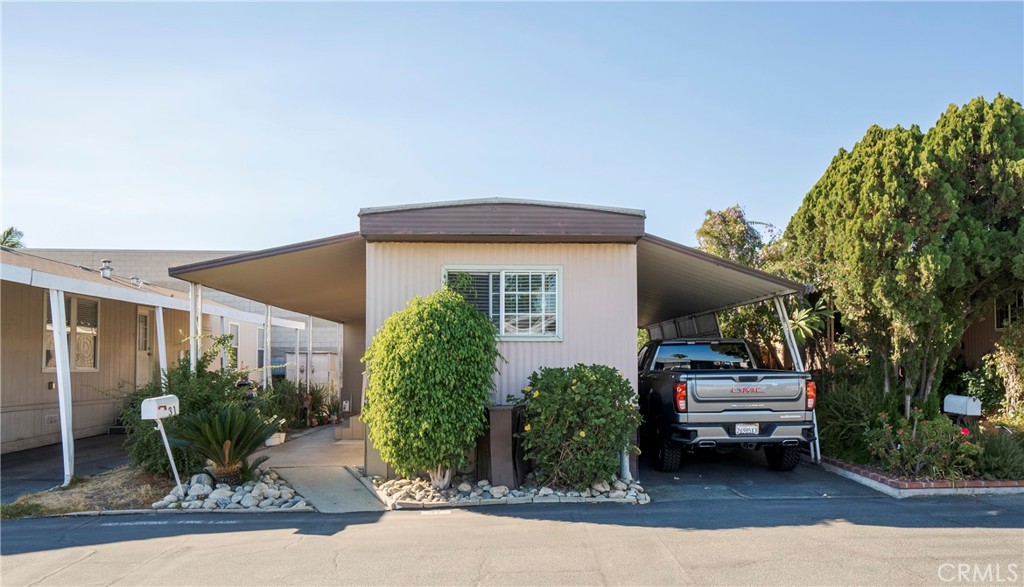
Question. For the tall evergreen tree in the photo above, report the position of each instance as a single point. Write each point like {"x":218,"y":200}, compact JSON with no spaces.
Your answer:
{"x":913,"y":234}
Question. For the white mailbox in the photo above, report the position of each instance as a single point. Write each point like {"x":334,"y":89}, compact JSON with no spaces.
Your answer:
{"x":962,"y":404}
{"x":158,"y":408}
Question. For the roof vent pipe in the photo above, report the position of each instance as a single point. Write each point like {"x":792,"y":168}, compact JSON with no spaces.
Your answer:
{"x":106,"y":271}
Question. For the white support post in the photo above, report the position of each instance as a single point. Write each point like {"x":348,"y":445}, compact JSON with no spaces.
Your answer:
{"x":266,"y":347}
{"x":223,"y":350}
{"x":161,"y":344}
{"x":798,"y":364}
{"x":199,"y":321}
{"x":309,"y":348}
{"x":192,"y":334}
{"x":62,"y":356}
{"x":297,"y":339}
{"x":794,"y":351}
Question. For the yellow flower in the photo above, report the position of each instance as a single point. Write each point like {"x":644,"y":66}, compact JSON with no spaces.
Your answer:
{"x":527,"y":427}
{"x":583,"y":434}
{"x":536,"y":392}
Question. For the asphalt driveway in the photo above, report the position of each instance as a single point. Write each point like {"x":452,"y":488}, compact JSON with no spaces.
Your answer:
{"x":744,"y":475}
{"x":38,"y":469}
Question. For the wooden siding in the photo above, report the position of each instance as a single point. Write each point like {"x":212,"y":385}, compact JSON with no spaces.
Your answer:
{"x":598,"y":299}
{"x":512,"y":222}
{"x":979,"y":339}
{"x":28,"y":409}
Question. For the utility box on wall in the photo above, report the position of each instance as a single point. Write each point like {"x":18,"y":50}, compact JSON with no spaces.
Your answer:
{"x":324,"y":371}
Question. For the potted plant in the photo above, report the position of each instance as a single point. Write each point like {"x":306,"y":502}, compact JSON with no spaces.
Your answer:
{"x":279,"y":436}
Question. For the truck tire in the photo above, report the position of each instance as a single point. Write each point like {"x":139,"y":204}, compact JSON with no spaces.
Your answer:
{"x":782,"y":458}
{"x":669,"y":459}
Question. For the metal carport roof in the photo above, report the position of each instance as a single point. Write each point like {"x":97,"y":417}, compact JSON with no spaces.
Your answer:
{"x":326,"y":278}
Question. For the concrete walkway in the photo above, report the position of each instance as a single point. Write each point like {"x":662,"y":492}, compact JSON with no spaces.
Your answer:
{"x":315,"y":464}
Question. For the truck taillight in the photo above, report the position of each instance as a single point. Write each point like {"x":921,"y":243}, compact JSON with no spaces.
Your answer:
{"x":681,"y":397}
{"x":812,"y":395}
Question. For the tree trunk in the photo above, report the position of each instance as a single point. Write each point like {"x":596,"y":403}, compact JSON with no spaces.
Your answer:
{"x":441,"y":478}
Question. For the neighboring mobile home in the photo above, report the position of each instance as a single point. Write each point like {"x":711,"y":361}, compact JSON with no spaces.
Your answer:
{"x":152,"y":265}
{"x":113,"y":343}
{"x":564,"y":283}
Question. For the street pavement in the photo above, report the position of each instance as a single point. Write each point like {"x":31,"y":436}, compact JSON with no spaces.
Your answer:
{"x":751,"y":536}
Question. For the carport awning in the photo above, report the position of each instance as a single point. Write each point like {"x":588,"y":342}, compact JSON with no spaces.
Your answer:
{"x":326,"y":278}
{"x":674,"y":281}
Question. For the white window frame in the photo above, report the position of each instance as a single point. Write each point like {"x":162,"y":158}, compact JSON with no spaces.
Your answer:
{"x":72,"y":331}
{"x":1011,"y":308}
{"x":502,"y":270}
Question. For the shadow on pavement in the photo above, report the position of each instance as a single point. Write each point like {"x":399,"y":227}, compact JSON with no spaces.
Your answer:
{"x":43,"y":534}
{"x":39,"y":469}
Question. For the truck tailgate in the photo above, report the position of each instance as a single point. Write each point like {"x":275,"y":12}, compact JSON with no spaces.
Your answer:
{"x":755,"y":390}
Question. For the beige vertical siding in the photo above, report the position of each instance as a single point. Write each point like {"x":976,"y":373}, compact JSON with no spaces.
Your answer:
{"x":28,"y":409}
{"x":598,"y":292}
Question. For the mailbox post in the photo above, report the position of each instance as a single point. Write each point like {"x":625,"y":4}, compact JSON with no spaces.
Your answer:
{"x":158,"y":408}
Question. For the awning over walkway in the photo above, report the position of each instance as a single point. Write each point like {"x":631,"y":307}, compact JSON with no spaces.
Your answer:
{"x":326,"y":278}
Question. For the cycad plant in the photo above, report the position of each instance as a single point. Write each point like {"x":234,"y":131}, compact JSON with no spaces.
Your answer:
{"x":226,"y":438}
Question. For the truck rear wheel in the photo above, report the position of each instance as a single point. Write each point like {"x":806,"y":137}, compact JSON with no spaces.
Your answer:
{"x":782,"y":458}
{"x":669,"y":459}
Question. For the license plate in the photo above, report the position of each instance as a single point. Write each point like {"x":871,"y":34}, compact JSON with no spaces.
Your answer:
{"x":748,"y":429}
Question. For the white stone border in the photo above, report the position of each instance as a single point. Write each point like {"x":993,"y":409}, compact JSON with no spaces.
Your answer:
{"x":393,"y":504}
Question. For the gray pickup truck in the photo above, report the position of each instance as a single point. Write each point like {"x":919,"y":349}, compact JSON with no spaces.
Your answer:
{"x":710,"y":393}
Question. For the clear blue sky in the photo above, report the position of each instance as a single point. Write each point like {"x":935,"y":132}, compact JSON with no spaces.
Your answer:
{"x":245,"y":126}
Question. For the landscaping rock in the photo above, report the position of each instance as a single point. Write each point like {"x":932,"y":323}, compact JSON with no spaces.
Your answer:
{"x":545,"y":491}
{"x":199,"y":490}
{"x":161,"y":504}
{"x":201,"y":479}
{"x":616,"y":494}
{"x":618,"y":484}
{"x":601,"y":487}
{"x":249,"y":501}
{"x":499,"y":491}
{"x":222,"y":492}
{"x":465,"y":487}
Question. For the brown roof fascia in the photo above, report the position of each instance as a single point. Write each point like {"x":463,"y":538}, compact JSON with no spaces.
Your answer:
{"x":697,"y":253}
{"x":263,"y":253}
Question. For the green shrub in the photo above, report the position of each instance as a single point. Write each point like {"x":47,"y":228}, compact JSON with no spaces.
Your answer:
{"x":196,"y":391}
{"x":283,"y":399}
{"x":225,"y":437}
{"x":1008,"y":360}
{"x":921,"y":448}
{"x":984,"y":383}
{"x":430,"y":373}
{"x":578,"y":421}
{"x":845,"y":414}
{"x":1002,"y":455}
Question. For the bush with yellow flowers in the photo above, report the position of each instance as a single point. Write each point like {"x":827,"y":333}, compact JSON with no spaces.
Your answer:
{"x":578,"y":422}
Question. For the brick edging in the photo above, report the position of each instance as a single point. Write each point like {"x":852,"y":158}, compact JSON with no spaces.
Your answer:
{"x":911,"y":485}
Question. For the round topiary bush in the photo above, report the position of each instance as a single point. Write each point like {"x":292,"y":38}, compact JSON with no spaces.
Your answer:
{"x":578,"y":422}
{"x":430,"y":373}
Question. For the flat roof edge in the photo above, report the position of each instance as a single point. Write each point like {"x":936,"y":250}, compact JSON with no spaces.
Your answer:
{"x":498,"y":200}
